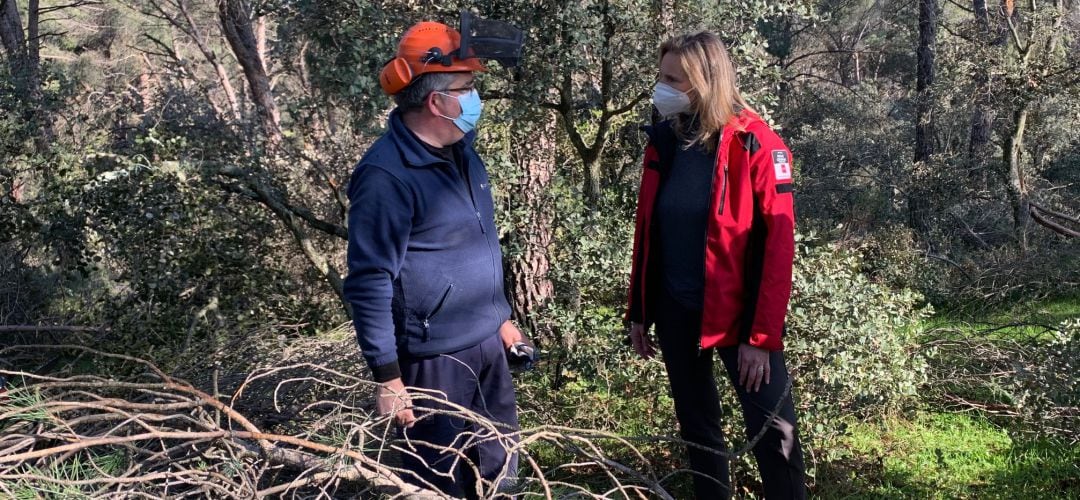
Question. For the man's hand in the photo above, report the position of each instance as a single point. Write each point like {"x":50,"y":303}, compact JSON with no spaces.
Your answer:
{"x":643,"y":344}
{"x":520,"y":353}
{"x":392,"y":398}
{"x":753,"y":367}
{"x":510,"y":334}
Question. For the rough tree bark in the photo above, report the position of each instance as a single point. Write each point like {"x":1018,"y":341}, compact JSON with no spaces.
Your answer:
{"x":236,"y":24}
{"x":11,"y":34}
{"x":260,"y":41}
{"x":24,"y":56}
{"x":1017,"y":188}
{"x":534,"y":155}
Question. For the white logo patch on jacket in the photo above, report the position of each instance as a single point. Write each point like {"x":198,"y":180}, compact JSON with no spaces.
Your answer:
{"x":781,"y":165}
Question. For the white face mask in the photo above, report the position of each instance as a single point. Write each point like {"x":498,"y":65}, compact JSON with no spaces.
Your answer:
{"x":669,"y":100}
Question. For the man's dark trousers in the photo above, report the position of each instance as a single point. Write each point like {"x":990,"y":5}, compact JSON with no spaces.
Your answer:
{"x":697,"y":407}
{"x":477,"y":378}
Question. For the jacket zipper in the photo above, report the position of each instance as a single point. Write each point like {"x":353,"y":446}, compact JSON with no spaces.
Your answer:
{"x":472,"y":196}
{"x":712,"y":192}
{"x":483,"y":230}
{"x":434,"y":311}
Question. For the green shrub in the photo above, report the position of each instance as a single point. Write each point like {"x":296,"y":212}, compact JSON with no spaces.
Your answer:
{"x":851,"y":343}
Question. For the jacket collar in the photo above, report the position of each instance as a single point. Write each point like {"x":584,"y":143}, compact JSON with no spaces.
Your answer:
{"x":745,"y":118}
{"x":664,"y":130}
{"x":663,"y":138}
{"x":413,"y":152}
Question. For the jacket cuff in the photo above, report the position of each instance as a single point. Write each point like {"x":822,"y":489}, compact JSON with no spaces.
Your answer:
{"x":386,"y":372}
{"x":765,"y":341}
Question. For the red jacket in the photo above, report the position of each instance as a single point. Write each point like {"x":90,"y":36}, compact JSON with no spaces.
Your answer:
{"x":750,"y":238}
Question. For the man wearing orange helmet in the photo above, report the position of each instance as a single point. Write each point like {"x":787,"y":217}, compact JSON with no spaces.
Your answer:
{"x":425,"y":272}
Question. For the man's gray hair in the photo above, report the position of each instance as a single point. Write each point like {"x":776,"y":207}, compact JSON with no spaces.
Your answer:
{"x":413,"y":96}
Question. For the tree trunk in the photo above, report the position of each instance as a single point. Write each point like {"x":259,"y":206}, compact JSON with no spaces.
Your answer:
{"x":33,"y":49}
{"x":146,"y":86}
{"x":1017,"y":188}
{"x":204,"y":47}
{"x":23,"y":50}
{"x":982,"y":119}
{"x":11,"y":35}
{"x":665,"y":17}
{"x":982,"y":113}
{"x":236,"y":24}
{"x":530,"y":287}
{"x":24,"y":55}
{"x":924,"y":146}
{"x":924,"y":131}
{"x":592,"y":185}
{"x":982,"y":16}
{"x":590,"y":154}
{"x":260,"y":41}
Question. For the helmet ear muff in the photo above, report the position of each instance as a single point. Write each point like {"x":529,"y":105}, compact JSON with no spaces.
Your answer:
{"x":395,"y":76}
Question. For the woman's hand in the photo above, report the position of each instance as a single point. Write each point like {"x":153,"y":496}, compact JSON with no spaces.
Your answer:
{"x":643,"y":344}
{"x":753,"y":367}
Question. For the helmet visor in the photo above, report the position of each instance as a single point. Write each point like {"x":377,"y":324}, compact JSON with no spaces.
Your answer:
{"x":488,"y":39}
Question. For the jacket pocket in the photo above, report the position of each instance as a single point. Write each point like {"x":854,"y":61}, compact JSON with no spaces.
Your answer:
{"x":425,"y":322}
{"x":723,"y":190}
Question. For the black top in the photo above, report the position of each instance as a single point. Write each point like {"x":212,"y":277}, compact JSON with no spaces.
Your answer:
{"x":682,"y":216}
{"x":448,"y":153}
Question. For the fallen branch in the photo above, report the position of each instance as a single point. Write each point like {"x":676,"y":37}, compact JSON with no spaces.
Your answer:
{"x":1037,"y":216}
{"x":48,"y":328}
{"x":1053,"y":213}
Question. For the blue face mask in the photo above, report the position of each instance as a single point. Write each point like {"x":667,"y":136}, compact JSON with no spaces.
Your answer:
{"x":471,"y":107}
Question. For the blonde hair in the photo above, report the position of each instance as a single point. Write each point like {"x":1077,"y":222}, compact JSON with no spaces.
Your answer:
{"x":716,"y":100}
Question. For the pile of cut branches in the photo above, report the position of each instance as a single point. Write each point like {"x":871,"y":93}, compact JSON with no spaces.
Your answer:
{"x":1029,"y":380}
{"x":149,"y":434}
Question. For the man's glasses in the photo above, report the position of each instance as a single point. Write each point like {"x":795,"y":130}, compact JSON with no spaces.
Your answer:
{"x":468,"y":88}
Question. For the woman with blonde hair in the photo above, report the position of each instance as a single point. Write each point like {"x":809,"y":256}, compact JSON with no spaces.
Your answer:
{"x":713,"y":253}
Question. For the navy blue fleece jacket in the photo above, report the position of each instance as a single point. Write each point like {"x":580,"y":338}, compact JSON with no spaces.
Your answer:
{"x":425,"y":268}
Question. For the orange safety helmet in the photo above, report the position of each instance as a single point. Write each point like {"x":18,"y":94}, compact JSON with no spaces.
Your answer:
{"x":427,"y":47}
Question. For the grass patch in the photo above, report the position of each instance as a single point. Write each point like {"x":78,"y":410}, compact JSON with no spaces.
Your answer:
{"x":1024,"y":320}
{"x":1049,"y":312}
{"x":938,"y":455}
